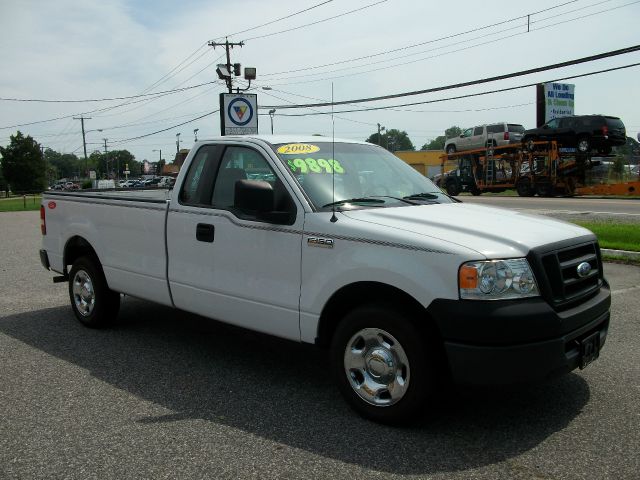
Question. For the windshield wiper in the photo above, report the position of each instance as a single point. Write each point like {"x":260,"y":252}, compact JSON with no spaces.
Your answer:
{"x":354,"y":200}
{"x":422,"y":196}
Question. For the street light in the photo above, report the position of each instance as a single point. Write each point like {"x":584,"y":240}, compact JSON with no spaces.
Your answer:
{"x":272,"y":113}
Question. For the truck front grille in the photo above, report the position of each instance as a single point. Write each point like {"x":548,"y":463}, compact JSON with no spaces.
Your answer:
{"x":564,"y":285}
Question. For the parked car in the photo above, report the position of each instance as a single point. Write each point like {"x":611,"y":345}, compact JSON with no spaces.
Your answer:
{"x":494,"y":134}
{"x":582,"y":132}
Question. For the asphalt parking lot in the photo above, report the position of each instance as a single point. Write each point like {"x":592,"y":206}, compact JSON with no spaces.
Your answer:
{"x":166,"y":394}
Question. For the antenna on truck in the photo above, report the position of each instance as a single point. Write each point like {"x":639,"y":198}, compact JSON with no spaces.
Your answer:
{"x":333,"y":164}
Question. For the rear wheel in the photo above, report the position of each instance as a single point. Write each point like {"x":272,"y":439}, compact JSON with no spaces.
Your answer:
{"x":544,"y":189}
{"x":93,"y":303}
{"x":451,"y":149}
{"x":528,"y":143}
{"x":381,"y":364}
{"x":524,"y":189}
{"x":583,"y":145}
{"x":475,"y":191}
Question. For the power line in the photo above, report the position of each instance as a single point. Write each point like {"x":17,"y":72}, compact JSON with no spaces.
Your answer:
{"x":554,"y":66}
{"x":317,"y":21}
{"x":438,"y":55}
{"x":489,"y":92}
{"x":447,"y":37}
{"x":118,"y":142}
{"x":276,"y":20}
{"x":165,"y":92}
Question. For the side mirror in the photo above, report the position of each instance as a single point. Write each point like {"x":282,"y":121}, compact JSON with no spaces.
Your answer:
{"x":256,"y":198}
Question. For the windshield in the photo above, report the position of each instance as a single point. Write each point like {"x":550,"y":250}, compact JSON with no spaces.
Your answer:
{"x":365,"y":176}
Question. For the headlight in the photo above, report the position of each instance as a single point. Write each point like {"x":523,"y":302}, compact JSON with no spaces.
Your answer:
{"x":497,"y":280}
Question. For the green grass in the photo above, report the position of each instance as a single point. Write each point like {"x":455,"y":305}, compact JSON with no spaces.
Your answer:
{"x":619,"y":259}
{"x":17,"y":204}
{"x":618,"y":236}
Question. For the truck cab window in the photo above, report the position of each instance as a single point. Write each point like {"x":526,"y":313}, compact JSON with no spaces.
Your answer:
{"x":196,"y":188}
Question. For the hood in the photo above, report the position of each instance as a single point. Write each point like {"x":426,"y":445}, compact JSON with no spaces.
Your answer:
{"x":492,"y":232}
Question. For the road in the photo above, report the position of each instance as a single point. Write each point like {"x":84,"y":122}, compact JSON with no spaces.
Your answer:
{"x":166,"y":394}
{"x":618,"y":209}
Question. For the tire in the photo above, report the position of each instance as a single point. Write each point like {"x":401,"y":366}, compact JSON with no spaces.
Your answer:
{"x":524,"y":189}
{"x":476,"y":192}
{"x":528,"y":143}
{"x":544,"y":190}
{"x":378,"y":346}
{"x":452,"y":189}
{"x":583,"y":145}
{"x":92,"y":302}
{"x":451,"y":149}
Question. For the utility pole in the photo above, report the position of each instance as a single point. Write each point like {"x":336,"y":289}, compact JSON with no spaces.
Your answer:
{"x":272,"y":113}
{"x":228,"y":46}
{"x":106,"y":159}
{"x":84,"y":143}
{"x":380,"y":129}
{"x":195,"y":133}
{"x":177,"y":143}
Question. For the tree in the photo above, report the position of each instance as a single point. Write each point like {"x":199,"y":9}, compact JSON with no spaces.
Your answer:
{"x":23,"y":164}
{"x":438,"y":142}
{"x":393,"y":140}
{"x":67,"y":165}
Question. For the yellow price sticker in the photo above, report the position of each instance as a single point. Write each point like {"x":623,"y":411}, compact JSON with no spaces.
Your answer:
{"x":297,"y":149}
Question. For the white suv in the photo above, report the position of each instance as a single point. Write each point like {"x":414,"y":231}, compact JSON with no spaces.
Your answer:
{"x":494,"y":134}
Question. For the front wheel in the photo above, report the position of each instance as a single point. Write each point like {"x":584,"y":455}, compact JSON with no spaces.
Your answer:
{"x":452,"y":189}
{"x":381,"y":365}
{"x":93,"y":303}
{"x":451,"y":149}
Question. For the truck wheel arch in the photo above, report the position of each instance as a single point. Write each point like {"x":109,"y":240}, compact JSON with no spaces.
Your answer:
{"x":75,"y":248}
{"x":361,"y":293}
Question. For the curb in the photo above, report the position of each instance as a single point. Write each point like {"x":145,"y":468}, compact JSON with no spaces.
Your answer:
{"x":621,"y":253}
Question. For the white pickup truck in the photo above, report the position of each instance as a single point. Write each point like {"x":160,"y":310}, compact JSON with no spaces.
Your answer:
{"x":343,"y":245}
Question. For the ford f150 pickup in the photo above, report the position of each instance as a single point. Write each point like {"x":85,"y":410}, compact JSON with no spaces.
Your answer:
{"x":339,"y":243}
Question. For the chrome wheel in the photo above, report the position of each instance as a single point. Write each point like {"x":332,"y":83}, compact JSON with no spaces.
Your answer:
{"x":377,"y":367}
{"x":583,"y":145}
{"x":84,"y":296}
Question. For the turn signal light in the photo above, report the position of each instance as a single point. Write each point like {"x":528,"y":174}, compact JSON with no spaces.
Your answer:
{"x":468,"y":277}
{"x":506,"y":135}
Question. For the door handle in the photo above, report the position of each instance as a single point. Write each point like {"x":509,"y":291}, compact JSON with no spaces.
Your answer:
{"x":205,"y":232}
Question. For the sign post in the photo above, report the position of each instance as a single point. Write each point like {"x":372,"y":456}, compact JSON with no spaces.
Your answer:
{"x":238,"y":114}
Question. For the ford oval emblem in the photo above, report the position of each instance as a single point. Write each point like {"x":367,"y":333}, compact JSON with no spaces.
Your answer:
{"x":583,"y":269}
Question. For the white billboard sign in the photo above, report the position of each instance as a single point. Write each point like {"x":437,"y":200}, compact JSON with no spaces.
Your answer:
{"x":559,"y":100}
{"x":238,"y":114}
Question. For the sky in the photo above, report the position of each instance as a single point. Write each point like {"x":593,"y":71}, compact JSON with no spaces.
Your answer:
{"x":81,"y":50}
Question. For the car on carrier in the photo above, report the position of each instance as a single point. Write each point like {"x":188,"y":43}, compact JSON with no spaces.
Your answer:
{"x":493,"y":134}
{"x":585,"y":133}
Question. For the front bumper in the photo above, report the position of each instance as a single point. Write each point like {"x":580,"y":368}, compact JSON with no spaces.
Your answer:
{"x":507,"y":342}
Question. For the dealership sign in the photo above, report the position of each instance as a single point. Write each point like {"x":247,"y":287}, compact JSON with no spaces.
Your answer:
{"x":559,"y":100}
{"x":238,"y":114}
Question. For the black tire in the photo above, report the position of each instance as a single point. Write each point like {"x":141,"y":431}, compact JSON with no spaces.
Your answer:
{"x":476,"y":192}
{"x":409,"y":363}
{"x":528,"y":143}
{"x":524,"y":189}
{"x":452,"y":189}
{"x":583,"y":145}
{"x":451,"y":149}
{"x":544,"y":189}
{"x":92,"y":302}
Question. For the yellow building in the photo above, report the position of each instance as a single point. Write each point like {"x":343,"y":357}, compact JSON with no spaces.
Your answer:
{"x":427,"y":162}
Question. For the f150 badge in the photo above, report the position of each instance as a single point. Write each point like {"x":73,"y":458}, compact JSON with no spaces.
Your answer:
{"x":320,"y":242}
